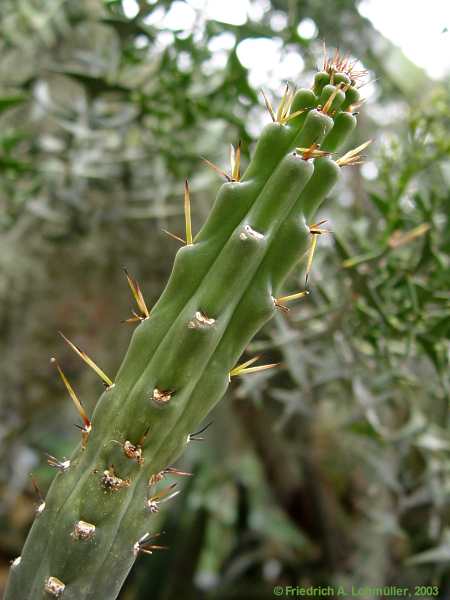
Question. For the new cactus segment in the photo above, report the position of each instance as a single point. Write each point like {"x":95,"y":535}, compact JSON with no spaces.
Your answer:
{"x":225,"y":284}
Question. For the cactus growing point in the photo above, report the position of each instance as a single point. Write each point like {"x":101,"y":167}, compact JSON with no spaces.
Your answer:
{"x":224,"y":286}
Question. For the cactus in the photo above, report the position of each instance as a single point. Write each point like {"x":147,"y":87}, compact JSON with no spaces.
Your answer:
{"x":97,"y":516}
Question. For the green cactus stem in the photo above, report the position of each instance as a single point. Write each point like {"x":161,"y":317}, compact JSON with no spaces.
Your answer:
{"x":97,"y":516}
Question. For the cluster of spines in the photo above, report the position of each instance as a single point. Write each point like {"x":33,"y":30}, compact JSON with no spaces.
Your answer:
{"x":335,"y":97}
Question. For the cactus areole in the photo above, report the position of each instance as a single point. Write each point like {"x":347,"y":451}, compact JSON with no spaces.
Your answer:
{"x":225,"y":284}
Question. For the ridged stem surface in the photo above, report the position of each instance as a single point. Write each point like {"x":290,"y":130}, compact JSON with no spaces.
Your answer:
{"x":220,"y":293}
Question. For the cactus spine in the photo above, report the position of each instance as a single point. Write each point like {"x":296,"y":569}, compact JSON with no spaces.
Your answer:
{"x":97,"y":515}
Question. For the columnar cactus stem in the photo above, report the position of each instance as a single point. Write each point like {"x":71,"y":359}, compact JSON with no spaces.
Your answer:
{"x":223,"y":288}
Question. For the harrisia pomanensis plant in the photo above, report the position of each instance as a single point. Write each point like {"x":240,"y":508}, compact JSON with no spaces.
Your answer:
{"x":225,"y":284}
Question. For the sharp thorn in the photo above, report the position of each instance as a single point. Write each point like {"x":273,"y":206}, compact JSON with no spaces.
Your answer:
{"x":327,"y":106}
{"x":86,"y":428}
{"x":164,"y":495}
{"x":176,"y":472}
{"x":137,"y":294}
{"x":146,"y":546}
{"x":311,"y":251}
{"x":134,"y":319}
{"x":106,"y":380}
{"x":312,"y":152}
{"x":258,"y":368}
{"x":216,"y":169}
{"x":175,"y":237}
{"x":187,"y":213}
{"x":62,"y":466}
{"x":245,"y":368}
{"x":315,"y":229}
{"x":281,"y":108}
{"x":195,"y":437}
{"x":352,"y":157}
{"x":235,"y":161}
{"x":269,"y":106}
{"x":41,"y":502}
{"x":238,"y":368}
{"x":288,"y":117}
{"x":143,"y":437}
{"x":289,"y":298}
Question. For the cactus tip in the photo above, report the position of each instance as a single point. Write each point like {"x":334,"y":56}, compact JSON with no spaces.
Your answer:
{"x":328,"y":104}
{"x":340,"y":63}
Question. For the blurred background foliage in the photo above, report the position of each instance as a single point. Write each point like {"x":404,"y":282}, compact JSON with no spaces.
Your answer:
{"x":333,"y":469}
